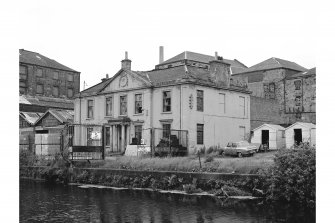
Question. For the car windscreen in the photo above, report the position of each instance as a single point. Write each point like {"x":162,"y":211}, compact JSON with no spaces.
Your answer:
{"x":232,"y":144}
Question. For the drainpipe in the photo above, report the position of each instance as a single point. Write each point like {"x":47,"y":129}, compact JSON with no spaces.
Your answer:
{"x":180,"y":118}
{"x":80,"y":118}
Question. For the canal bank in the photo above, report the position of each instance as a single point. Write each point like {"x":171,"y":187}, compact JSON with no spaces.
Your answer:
{"x":219,"y":184}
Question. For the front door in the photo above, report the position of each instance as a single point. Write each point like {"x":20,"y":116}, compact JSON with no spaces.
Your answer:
{"x":108,"y":140}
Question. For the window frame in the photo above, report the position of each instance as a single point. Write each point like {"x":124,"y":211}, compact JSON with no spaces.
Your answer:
{"x":201,"y":141}
{"x":39,"y":84}
{"x":126,"y":97}
{"x":224,"y":101}
{"x":166,"y":131}
{"x":135,"y":110}
{"x":88,"y":110}
{"x":163,"y":101}
{"x":53,"y":75}
{"x":136,"y":132}
{"x":70,"y":75}
{"x":200,"y":100}
{"x":108,"y":136}
{"x":37,"y":74}
{"x":23,"y":76}
{"x":106,"y":107}
{"x":67,"y":92}
{"x":55,"y":87}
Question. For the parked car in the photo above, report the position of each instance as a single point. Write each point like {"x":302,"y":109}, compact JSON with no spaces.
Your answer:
{"x":242,"y":148}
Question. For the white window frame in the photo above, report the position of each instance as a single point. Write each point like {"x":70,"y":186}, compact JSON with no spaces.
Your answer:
{"x":224,"y":102}
{"x":90,"y":99}
{"x":112,"y":110}
{"x":136,"y":93}
{"x":168,"y":112}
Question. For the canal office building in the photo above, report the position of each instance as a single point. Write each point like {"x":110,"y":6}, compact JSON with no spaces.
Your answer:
{"x":183,"y":93}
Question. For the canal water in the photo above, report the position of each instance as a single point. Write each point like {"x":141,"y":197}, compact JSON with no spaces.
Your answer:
{"x":42,"y":202}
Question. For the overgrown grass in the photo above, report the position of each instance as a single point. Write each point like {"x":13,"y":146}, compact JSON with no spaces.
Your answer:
{"x":189,"y":164}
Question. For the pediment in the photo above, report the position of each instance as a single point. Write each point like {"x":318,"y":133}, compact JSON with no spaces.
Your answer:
{"x":125,"y":80}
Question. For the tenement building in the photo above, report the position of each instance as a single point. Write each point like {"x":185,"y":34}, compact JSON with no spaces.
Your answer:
{"x":283,"y":92}
{"x":192,"y":94}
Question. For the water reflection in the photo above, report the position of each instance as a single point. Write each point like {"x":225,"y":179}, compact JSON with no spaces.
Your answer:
{"x":40,"y":202}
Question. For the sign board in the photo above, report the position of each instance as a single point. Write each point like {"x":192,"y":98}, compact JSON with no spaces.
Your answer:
{"x":96,"y":135}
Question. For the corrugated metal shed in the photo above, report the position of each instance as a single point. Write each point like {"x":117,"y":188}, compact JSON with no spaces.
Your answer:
{"x":46,"y":101}
{"x":63,"y":116}
{"x":307,"y":132}
{"x":31,"y":117}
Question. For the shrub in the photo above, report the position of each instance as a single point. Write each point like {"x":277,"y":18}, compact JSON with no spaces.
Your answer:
{"x":27,"y":158}
{"x":191,"y":188}
{"x":208,"y":158}
{"x":292,"y":177}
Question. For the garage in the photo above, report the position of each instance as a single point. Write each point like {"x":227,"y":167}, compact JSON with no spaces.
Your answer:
{"x":269,"y":134}
{"x":300,"y":132}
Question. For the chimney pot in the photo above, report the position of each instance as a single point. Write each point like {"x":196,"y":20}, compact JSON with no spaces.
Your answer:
{"x":161,"y":54}
{"x":216,"y":55}
{"x":126,"y":55}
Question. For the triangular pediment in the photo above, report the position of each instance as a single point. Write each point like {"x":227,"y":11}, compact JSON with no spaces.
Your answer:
{"x":125,"y":79}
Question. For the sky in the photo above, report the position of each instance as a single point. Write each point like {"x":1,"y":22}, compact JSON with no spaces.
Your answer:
{"x":92,"y":36}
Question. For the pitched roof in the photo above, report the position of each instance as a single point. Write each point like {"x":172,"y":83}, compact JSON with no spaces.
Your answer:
{"x":310,"y":72}
{"x":31,"y":117}
{"x":63,"y":116}
{"x":30,"y":57}
{"x":236,"y":65}
{"x":274,"y":63}
{"x":306,"y":124}
{"x":273,"y":126}
{"x":47,"y":102}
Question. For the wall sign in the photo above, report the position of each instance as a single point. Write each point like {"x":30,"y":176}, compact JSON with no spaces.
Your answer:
{"x":191,"y":101}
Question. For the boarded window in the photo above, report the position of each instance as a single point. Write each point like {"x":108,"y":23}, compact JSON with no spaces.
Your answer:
{"x":138,"y":133}
{"x":166,"y":101}
{"x":242,"y":106}
{"x":297,"y":84}
{"x":70,"y":93}
{"x":138,"y":103}
{"x":70,"y":77}
{"x":242,"y":132}
{"x":109,"y":106}
{"x":55,"y":91}
{"x":55,"y":75}
{"x":269,"y":90}
{"x":200,"y":100}
{"x":222,"y":103}
{"x":39,"y":72}
{"x":166,"y":130}
{"x":89,"y":108}
{"x":23,"y":72}
{"x":39,"y":89}
{"x":200,"y":134}
{"x":123,"y":105}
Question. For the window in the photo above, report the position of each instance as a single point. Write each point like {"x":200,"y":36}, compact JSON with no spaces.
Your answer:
{"x":138,"y":133}
{"x":269,"y":90}
{"x":272,"y":87}
{"x":109,"y":104}
{"x":39,"y":89}
{"x":242,"y":132}
{"x":222,"y":103}
{"x":166,"y":101}
{"x":55,"y":75}
{"x":39,"y":72}
{"x":23,"y":72}
{"x":70,"y":77}
{"x":138,"y":103}
{"x":200,"y":100}
{"x":108,"y":136}
{"x":89,"y":136}
{"x":123,"y":105}
{"x":297,"y":100}
{"x":200,"y":134}
{"x":22,"y":90}
{"x":297,"y":85}
{"x":69,"y":92}
{"x":89,"y":108}
{"x":55,"y":91}
{"x":166,"y":130}
{"x":242,"y":106}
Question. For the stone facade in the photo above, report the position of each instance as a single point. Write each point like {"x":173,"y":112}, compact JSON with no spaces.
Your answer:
{"x":34,"y":82}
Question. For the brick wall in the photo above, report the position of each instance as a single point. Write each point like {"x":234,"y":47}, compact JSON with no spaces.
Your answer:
{"x":48,"y":82}
{"x":264,"y":111}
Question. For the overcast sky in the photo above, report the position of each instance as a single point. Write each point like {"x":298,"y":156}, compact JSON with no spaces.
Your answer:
{"x":91,"y":37}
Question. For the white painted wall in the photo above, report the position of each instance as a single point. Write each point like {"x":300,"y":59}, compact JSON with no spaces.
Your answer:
{"x":221,"y":123}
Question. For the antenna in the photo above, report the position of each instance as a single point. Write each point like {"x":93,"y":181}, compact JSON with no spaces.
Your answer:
{"x":85,"y":84}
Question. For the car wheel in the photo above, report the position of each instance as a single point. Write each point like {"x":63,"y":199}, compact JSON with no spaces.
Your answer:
{"x":239,"y":155}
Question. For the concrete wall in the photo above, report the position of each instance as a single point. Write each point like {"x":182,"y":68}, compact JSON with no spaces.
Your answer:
{"x":48,"y":82}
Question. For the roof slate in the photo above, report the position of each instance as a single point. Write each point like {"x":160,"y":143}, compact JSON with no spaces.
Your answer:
{"x":235,"y":64}
{"x":30,"y":57}
{"x":274,"y":63}
{"x":47,"y":101}
{"x":310,"y":72}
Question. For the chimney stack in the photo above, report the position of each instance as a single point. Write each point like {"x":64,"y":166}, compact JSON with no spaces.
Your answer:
{"x":126,"y":63}
{"x":105,"y":78}
{"x":219,"y":72}
{"x":216,"y":55}
{"x":161,"y":54}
